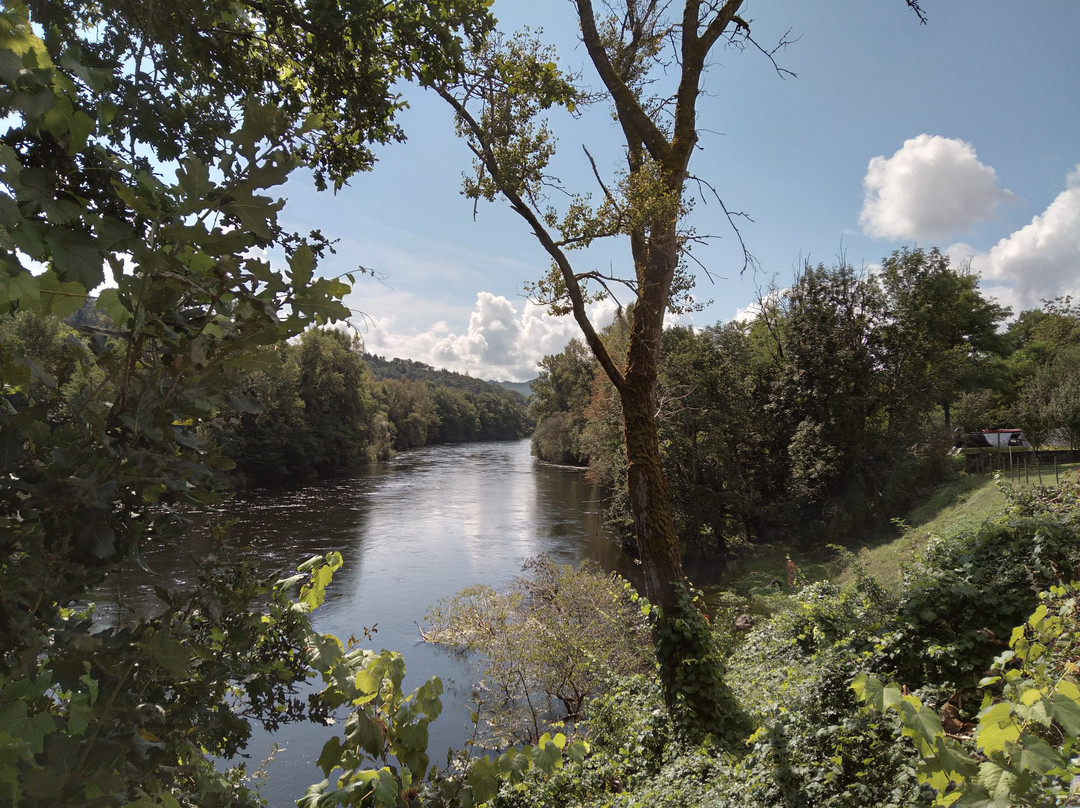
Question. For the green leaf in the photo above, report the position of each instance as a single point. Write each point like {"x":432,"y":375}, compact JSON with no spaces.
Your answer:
{"x":108,"y":301}
{"x":1036,"y":755}
{"x":256,"y":213}
{"x":871,"y":692}
{"x":168,"y":653}
{"x":79,"y":717}
{"x":59,"y":298}
{"x":513,"y":765}
{"x":387,"y":789}
{"x":302,"y":263}
{"x":1033,"y":706}
{"x":1066,"y":711}
{"x":75,"y":257}
{"x":324,"y":651}
{"x":997,"y":727}
{"x":193,"y":177}
{"x":997,"y":779}
{"x":313,"y":795}
{"x":17,"y":722}
{"x":22,"y":287}
{"x":81,"y":126}
{"x":330,"y":757}
{"x":483,"y":778}
{"x":920,"y":724}
{"x":366,"y":732}
{"x":577,"y":751}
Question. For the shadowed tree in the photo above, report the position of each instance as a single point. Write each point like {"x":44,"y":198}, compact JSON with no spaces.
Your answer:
{"x":651,"y":59}
{"x":145,"y":138}
{"x":944,"y":333}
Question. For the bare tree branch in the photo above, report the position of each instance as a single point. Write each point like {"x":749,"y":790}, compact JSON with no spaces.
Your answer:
{"x":914,"y":6}
{"x":481,"y":148}
{"x":599,"y":179}
{"x":749,"y":261}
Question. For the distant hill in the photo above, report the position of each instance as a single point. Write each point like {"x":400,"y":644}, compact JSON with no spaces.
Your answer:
{"x":410,"y":370}
{"x":523,"y":388}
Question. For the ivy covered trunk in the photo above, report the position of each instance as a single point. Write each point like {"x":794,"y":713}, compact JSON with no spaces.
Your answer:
{"x":691,"y":667}
{"x":658,"y":545}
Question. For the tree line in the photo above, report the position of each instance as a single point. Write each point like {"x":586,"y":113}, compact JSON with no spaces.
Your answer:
{"x":830,"y":408}
{"x":306,"y":408}
{"x":315,"y":408}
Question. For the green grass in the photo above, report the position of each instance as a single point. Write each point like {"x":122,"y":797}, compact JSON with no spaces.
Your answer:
{"x":963,"y":502}
{"x":960,"y":504}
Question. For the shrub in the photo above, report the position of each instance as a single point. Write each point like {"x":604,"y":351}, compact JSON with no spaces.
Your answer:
{"x":811,"y":747}
{"x":1022,"y":748}
{"x":554,"y":639}
{"x":966,"y":593}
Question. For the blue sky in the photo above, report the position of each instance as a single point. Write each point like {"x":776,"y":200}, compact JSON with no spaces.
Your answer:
{"x":962,"y":134}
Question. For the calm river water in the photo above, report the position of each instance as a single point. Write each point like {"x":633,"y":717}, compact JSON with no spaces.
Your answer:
{"x":413,"y":531}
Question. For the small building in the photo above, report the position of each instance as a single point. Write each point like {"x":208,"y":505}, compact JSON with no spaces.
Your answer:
{"x":994,"y":439}
{"x":991,"y":449}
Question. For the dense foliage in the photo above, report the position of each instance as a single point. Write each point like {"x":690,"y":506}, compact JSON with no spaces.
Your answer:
{"x":828,"y":411}
{"x":315,"y":408}
{"x":139,"y":146}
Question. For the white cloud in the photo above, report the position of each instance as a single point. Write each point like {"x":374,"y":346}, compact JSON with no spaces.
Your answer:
{"x":932,"y":188}
{"x":501,"y":340}
{"x":751,"y":311}
{"x":1040,"y":261}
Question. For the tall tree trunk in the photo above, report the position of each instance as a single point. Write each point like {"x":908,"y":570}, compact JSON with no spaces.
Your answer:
{"x":691,"y":666}
{"x":658,"y":545}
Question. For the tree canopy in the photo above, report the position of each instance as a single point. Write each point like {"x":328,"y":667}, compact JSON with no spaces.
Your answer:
{"x":141,"y":144}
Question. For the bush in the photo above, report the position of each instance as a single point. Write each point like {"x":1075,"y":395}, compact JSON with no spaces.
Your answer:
{"x":966,"y":593}
{"x":811,"y":747}
{"x":554,"y":639}
{"x":556,"y":440}
{"x":1021,"y":748}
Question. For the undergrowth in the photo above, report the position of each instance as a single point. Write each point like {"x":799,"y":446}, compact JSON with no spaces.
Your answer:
{"x":814,"y":743}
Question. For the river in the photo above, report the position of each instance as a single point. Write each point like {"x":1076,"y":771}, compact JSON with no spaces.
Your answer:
{"x":412,"y":531}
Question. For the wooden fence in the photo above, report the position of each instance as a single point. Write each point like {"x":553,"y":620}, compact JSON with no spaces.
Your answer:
{"x":1026,"y":465}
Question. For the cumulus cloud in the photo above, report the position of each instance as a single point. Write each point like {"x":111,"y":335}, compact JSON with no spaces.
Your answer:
{"x":1040,"y":261}
{"x":751,"y":311}
{"x":501,"y":341}
{"x":932,"y":188}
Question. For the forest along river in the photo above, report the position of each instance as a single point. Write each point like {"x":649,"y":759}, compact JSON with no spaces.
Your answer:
{"x":412,"y":531}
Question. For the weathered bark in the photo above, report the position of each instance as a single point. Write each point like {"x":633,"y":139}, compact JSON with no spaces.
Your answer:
{"x":655,"y":260}
{"x":657,"y":543}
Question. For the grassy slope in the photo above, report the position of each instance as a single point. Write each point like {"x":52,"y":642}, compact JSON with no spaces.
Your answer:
{"x":961,"y":503}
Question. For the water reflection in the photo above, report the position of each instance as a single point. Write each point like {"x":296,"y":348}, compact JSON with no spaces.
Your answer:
{"x":411,"y":531}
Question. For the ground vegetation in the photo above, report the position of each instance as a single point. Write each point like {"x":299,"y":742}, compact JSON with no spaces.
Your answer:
{"x":956,"y":686}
